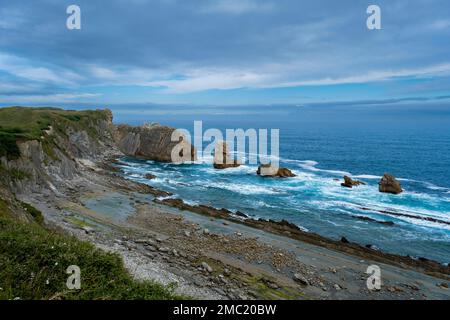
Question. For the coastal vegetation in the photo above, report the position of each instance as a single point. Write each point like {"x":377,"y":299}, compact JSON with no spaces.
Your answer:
{"x":23,"y":124}
{"x":34,"y":260}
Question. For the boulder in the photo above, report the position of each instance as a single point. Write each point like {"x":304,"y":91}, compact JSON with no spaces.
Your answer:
{"x":388,"y":184}
{"x":222,"y":158}
{"x":266,"y":170}
{"x":150,"y":176}
{"x":151,"y":142}
{"x":350,"y":183}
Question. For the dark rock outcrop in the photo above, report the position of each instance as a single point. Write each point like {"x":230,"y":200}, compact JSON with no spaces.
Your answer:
{"x":222,"y":158}
{"x":149,"y":176}
{"x":152,"y":142}
{"x":388,"y":184}
{"x":285,"y":228}
{"x":350,"y":183}
{"x":344,"y":240}
{"x":364,"y":218}
{"x":266,"y":170}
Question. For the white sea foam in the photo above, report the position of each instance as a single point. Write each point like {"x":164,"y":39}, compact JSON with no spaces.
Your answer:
{"x":246,"y":189}
{"x":435,"y":187}
{"x":367,"y":176}
{"x":191,"y":202}
{"x":311,"y":166}
{"x":326,"y":192}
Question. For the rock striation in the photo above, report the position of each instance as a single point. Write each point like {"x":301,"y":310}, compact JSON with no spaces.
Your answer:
{"x":152,"y":142}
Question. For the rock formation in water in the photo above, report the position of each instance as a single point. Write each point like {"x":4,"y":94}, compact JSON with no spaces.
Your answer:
{"x":388,"y":184}
{"x":222,"y":157}
{"x":152,"y":142}
{"x":266,"y":170}
{"x":350,"y":183}
{"x":150,"y":176}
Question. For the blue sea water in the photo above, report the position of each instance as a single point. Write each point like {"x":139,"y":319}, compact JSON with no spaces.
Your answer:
{"x":322,"y":144}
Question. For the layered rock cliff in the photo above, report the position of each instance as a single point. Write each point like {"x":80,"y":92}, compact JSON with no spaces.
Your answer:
{"x":51,"y":145}
{"x":152,"y":142}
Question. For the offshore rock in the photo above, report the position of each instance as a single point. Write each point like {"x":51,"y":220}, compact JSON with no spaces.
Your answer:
{"x":222,"y":158}
{"x":350,"y":183}
{"x":388,"y":184}
{"x":266,"y":170}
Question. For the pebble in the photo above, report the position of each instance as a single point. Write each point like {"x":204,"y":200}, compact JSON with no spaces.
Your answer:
{"x":140,"y":241}
{"x":301,"y":279}
{"x":442,"y":285}
{"x":337,"y":287}
{"x":207,"y":267}
{"x":88,"y":229}
{"x":272,"y":285}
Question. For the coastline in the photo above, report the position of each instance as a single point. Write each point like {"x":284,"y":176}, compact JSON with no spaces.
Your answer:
{"x":211,"y":254}
{"x":288,"y":229}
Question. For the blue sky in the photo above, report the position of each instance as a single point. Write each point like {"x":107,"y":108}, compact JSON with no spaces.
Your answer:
{"x":223,"y":52}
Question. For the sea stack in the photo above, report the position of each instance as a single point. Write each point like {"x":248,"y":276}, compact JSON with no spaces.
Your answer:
{"x":350,"y":183}
{"x":222,"y":158}
{"x":267,"y":170}
{"x":388,"y":184}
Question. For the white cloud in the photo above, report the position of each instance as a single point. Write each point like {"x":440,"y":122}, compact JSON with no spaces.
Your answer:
{"x":48,"y":98}
{"x":201,"y":80}
{"x":11,"y":18}
{"x":24,"y":68}
{"x":442,"y":24}
{"x":103,"y":73}
{"x":237,"y":6}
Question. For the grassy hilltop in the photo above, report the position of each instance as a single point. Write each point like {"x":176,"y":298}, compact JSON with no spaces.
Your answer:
{"x":22,"y":124}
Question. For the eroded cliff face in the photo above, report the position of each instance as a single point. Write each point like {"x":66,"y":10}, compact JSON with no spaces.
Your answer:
{"x":152,"y":142}
{"x":56,"y":158}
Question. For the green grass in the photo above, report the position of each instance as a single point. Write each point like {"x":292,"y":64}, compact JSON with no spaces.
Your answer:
{"x":33,"y":263}
{"x":4,"y":209}
{"x":8,"y":146}
{"x":22,"y":124}
{"x":35,"y":213}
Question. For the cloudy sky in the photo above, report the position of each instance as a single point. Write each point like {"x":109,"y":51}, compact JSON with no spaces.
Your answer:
{"x":223,"y":52}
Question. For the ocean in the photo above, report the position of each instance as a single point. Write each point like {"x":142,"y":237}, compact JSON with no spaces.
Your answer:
{"x":321,"y":144}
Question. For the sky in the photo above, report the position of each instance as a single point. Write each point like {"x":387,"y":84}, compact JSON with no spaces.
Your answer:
{"x":223,"y":52}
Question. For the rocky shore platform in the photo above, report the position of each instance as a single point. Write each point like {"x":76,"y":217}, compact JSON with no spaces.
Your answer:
{"x":210,"y":253}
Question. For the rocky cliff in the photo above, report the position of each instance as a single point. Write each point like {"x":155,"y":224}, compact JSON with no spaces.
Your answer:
{"x":152,"y":142}
{"x":50,"y":146}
